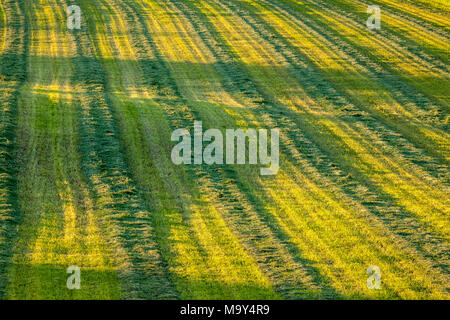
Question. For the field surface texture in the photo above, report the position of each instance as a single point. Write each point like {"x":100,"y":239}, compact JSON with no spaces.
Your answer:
{"x":87,"y":179}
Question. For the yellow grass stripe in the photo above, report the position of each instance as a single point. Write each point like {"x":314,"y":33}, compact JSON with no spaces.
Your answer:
{"x":342,"y":241}
{"x":432,"y":4}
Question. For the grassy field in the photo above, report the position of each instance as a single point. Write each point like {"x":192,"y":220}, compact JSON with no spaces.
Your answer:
{"x":86,"y":176}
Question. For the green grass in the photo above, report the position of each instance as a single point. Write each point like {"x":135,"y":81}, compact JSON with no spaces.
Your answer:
{"x":85,"y":171}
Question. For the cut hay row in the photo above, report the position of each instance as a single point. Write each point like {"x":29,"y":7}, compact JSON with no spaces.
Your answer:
{"x":397,"y":220}
{"x":393,"y":138}
{"x":417,"y":139}
{"x":153,"y":9}
{"x":3,"y":26}
{"x":440,"y":6}
{"x":286,"y":75}
{"x":419,"y":56}
{"x":427,"y":36}
{"x":423,"y":10}
{"x":249,"y":184}
{"x":242,"y":187}
{"x":324,"y":91}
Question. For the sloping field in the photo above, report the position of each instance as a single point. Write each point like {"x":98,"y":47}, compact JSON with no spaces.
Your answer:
{"x":87,"y":180}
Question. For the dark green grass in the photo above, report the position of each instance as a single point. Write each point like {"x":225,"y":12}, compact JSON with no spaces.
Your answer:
{"x":13,"y":74}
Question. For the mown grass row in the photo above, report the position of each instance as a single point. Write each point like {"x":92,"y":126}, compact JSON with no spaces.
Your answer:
{"x":410,"y":152}
{"x":423,"y":109}
{"x":248,"y":187}
{"x":97,"y":223}
{"x":432,"y":5}
{"x":434,"y":13}
{"x":3,"y":25}
{"x":252,"y":182}
{"x":180,"y":67}
{"x":324,"y":91}
{"x":420,"y":35}
{"x":353,"y":80}
{"x":393,"y":139}
{"x":13,"y":74}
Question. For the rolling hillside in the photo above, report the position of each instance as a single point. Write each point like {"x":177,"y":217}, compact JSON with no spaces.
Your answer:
{"x":86,"y":176}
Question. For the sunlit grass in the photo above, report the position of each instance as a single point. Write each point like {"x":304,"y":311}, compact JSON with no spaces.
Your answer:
{"x":364,"y":164}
